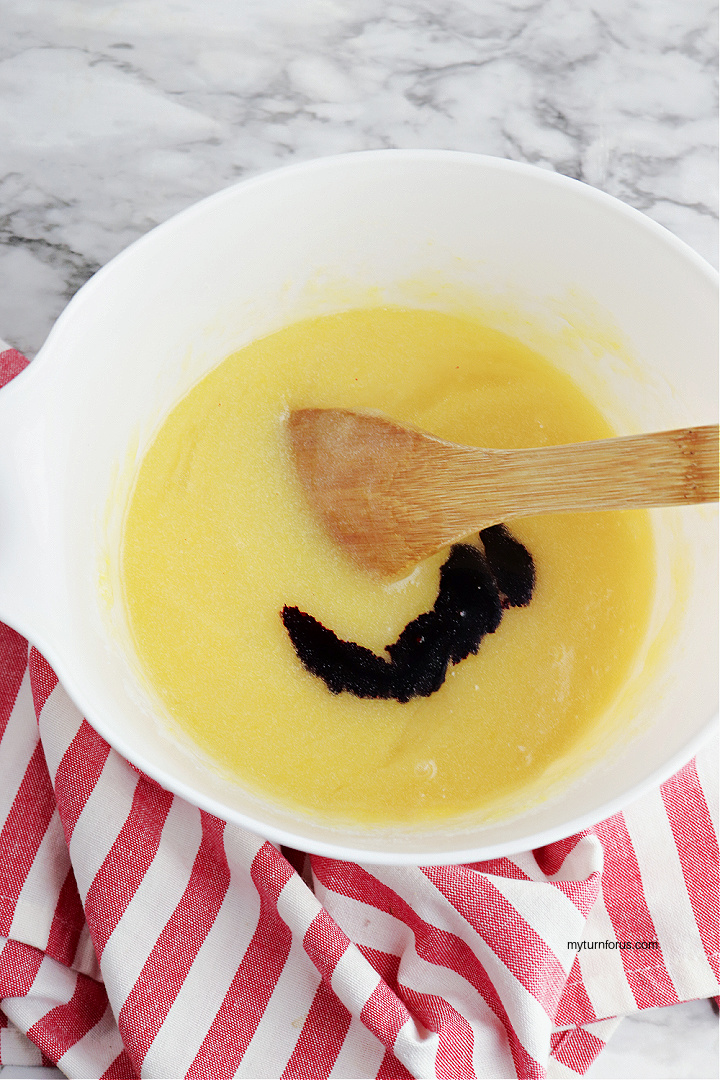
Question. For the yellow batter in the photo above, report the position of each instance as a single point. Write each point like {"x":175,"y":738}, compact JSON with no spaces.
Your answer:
{"x":218,"y":539}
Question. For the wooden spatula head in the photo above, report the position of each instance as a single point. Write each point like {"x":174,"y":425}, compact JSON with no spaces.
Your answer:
{"x":392,"y":496}
{"x":367,"y":480}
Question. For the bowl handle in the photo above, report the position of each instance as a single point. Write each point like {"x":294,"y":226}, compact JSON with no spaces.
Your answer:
{"x":27,"y":551}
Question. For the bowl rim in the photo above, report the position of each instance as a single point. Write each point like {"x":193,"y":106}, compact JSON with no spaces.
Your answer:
{"x":320,"y":164}
{"x":363,"y":852}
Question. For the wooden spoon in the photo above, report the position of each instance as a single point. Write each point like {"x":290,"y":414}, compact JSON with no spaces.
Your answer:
{"x":391,"y":496}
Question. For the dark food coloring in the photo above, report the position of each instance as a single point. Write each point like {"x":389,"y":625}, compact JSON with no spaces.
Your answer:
{"x":474,"y":590}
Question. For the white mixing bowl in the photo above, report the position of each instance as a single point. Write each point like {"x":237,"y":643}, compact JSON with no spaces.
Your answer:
{"x":626,"y":307}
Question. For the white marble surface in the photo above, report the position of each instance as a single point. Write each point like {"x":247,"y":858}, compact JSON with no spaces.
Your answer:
{"x":114,"y":114}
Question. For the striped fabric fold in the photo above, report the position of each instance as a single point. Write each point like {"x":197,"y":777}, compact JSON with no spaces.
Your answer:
{"x":141,"y":936}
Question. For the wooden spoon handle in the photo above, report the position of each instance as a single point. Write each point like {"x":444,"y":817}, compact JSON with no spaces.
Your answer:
{"x":663,"y":469}
{"x":392,"y":496}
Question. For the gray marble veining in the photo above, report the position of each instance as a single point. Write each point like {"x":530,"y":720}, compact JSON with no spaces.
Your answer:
{"x":115,"y":114}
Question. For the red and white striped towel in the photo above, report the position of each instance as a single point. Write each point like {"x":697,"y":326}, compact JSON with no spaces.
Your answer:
{"x":140,"y":936}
